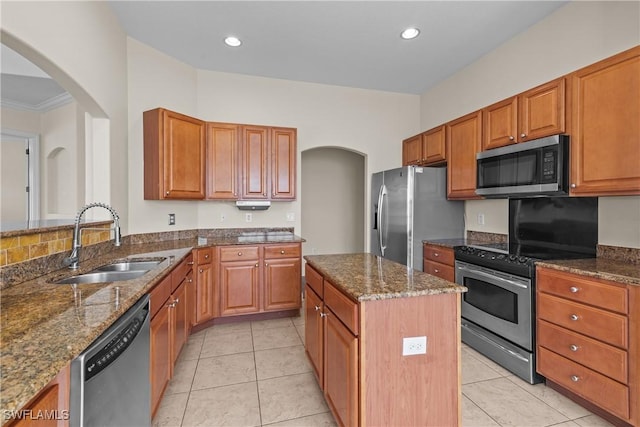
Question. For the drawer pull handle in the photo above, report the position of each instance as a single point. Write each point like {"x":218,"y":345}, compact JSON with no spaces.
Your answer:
{"x":282,"y":252}
{"x":573,"y":347}
{"x":574,"y":317}
{"x":575,"y":378}
{"x":190,"y":263}
{"x":573,"y":289}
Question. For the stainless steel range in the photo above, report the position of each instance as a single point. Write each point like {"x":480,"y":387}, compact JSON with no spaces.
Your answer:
{"x":498,"y":311}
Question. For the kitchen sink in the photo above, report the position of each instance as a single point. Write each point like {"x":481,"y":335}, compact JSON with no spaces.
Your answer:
{"x":101,"y":277}
{"x":128,"y":266}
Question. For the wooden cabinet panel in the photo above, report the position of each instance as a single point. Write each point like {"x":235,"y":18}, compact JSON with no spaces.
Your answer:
{"x":160,"y":362}
{"x":283,"y":163}
{"x":542,"y":111}
{"x":345,"y":309}
{"x":586,"y":383}
{"x":313,"y":333}
{"x":179,"y":321}
{"x":443,"y":271}
{"x":599,"y":293}
{"x":280,"y":279}
{"x":463,"y":143}
{"x":254,"y":154}
{"x":434,"y":146}
{"x":222,"y":161}
{"x":600,"y":324}
{"x":341,"y":371}
{"x":438,"y":254}
{"x":412,"y":151}
{"x":591,"y":353}
{"x":239,"y":284}
{"x":605,"y":140}
{"x":314,"y":280}
{"x":239,"y":253}
{"x":282,"y":251}
{"x":204,"y":255}
{"x":500,"y":124}
{"x":205,"y":291}
{"x":174,"y":156}
{"x":52,"y":400}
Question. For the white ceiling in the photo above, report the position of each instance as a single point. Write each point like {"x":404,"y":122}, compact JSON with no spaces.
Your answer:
{"x":344,"y":43}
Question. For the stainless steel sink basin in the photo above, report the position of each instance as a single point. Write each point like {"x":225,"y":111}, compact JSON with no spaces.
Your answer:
{"x":128,"y":266}
{"x":102,"y":277}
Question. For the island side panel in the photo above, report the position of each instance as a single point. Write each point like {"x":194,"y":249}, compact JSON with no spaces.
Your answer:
{"x":424,"y":389}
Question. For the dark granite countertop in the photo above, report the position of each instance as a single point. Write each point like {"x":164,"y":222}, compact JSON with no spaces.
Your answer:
{"x":367,"y":277}
{"x":599,"y":268}
{"x":45,"y":326}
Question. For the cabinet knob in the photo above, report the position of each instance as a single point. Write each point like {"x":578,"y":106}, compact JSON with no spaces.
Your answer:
{"x":436,"y":254}
{"x":177,"y":300}
{"x":266,"y":264}
{"x":575,"y":378}
{"x":323,"y":315}
{"x":239,"y":253}
{"x":190,"y":280}
{"x":573,"y":347}
{"x":282,"y":252}
{"x":436,"y":271}
{"x":317,"y":308}
{"x":574,"y":317}
{"x":511,"y":138}
{"x":574,"y":289}
{"x":257,"y":265}
{"x":573,"y":186}
{"x":206,"y":256}
{"x":200,"y":270}
{"x":523,"y":135}
{"x":167,"y":193}
{"x":190,"y":263}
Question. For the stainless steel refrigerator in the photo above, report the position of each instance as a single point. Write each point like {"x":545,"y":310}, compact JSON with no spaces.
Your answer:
{"x":409,"y":205}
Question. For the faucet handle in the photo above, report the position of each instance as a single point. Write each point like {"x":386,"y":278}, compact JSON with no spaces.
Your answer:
{"x":67,"y":261}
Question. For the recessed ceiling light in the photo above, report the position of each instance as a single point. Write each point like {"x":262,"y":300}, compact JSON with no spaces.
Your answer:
{"x":232,"y":41}
{"x":410,"y":33}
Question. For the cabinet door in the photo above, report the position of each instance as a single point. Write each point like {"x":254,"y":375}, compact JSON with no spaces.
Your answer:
{"x":282,"y":284}
{"x":192,"y":298}
{"x":53,"y":399}
{"x":160,"y":363}
{"x":222,"y":161}
{"x":412,"y":151}
{"x":283,"y":163}
{"x":434,"y":146}
{"x":463,"y":143}
{"x":179,"y":320}
{"x":205,"y":308}
{"x":313,"y":333}
{"x":254,"y":151}
{"x":340,"y":370}
{"x":500,"y":124}
{"x":605,"y":143}
{"x":541,"y":111}
{"x":239,"y":282}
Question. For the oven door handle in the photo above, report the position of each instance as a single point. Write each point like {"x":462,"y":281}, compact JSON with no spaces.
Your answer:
{"x":492,"y":277}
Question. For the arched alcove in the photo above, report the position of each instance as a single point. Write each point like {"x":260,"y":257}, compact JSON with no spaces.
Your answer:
{"x":333,"y":200}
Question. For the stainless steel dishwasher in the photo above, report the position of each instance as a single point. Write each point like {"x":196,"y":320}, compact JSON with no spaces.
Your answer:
{"x":110,"y":379}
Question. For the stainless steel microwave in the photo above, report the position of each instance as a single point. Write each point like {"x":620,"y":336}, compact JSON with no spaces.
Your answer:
{"x":535,"y":168}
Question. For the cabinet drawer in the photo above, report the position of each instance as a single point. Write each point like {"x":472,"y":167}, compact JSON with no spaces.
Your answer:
{"x":282,"y":251}
{"x":441,"y":270}
{"x":238,"y":253}
{"x":159,"y":295}
{"x":591,"y":385}
{"x":314,"y":280}
{"x":590,"y":291}
{"x":607,"y":360}
{"x":599,"y":324}
{"x":345,"y":309}
{"x":205,"y":255}
{"x":439,"y":254}
{"x":180,"y":272}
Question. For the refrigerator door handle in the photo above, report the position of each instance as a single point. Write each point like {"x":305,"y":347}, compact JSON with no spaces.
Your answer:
{"x":381,"y":220}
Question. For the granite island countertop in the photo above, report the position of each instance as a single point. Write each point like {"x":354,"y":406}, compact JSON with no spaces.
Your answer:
{"x":599,"y":268}
{"x":367,"y":277}
{"x":45,"y":326}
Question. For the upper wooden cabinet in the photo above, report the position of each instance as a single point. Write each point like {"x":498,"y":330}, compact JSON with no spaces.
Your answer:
{"x":222,"y":161}
{"x":605,"y":140}
{"x":174,"y":156}
{"x":268,"y":163}
{"x":463,"y":143}
{"x":536,"y":113}
{"x":425,"y":149}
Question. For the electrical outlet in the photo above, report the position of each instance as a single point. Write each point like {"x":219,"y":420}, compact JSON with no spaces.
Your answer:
{"x":222,"y":217}
{"x":414,"y":345}
{"x":291,"y":216}
{"x":248,"y":217}
{"x":481,"y":219}
{"x":172,"y":219}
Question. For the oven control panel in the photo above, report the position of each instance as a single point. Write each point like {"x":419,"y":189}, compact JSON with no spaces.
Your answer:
{"x":514,"y":264}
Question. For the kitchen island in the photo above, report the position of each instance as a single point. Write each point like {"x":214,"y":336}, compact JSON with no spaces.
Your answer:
{"x":383,"y":341}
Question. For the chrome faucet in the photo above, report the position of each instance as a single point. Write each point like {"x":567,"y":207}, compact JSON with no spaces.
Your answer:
{"x":74,"y":258}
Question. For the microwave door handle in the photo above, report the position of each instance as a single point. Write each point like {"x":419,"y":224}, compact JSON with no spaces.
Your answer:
{"x":381,"y":220}
{"x":492,"y":277}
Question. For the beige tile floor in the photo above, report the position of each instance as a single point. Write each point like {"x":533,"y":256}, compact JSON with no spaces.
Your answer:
{"x":256,"y":374}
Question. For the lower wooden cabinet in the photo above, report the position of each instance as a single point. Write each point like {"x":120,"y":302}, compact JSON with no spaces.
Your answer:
{"x":588,"y":331}
{"x":314,"y":333}
{"x":439,"y":261}
{"x":205,"y":277}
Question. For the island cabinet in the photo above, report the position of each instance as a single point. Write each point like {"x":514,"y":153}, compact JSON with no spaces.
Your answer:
{"x":439,"y":261}
{"x":536,"y":113}
{"x":50,"y":407}
{"x":356,"y":351}
{"x":588,"y":346}
{"x":605,"y":136}
{"x":170,"y":316}
{"x":425,"y":149}
{"x":463,"y":143}
{"x":174,"y":155}
{"x":259,"y":278}
{"x":206,"y":306}
{"x":268,"y":163}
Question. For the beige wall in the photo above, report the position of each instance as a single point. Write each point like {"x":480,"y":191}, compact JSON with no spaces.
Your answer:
{"x":577,"y":35}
